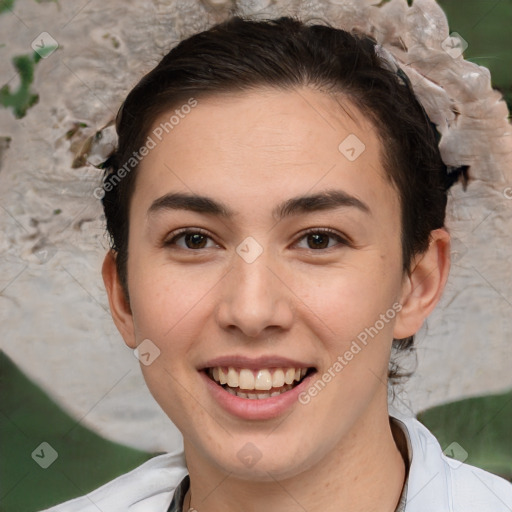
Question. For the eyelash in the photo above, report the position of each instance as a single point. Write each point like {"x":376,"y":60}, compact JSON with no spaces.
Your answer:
{"x":324,"y":231}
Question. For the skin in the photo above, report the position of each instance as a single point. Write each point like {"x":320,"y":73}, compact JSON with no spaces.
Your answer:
{"x":252,"y":151}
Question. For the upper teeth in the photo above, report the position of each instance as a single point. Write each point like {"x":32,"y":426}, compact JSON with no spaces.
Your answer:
{"x":257,"y":379}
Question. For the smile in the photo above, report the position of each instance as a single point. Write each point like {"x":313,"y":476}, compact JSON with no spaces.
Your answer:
{"x":257,"y":384}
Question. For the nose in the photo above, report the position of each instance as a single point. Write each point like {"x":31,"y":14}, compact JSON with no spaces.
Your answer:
{"x":255,"y":298}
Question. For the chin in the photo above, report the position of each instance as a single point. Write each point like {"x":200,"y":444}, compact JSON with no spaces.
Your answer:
{"x":261,"y":460}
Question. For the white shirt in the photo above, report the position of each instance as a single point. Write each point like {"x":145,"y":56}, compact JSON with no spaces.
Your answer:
{"x":435,"y":483}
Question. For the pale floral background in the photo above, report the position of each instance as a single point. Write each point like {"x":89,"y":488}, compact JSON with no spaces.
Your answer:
{"x":54,"y":312}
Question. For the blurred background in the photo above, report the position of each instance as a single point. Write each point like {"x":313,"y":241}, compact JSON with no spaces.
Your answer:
{"x":72,"y":395}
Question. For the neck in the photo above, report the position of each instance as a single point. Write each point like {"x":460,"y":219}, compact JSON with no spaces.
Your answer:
{"x":364,"y":472}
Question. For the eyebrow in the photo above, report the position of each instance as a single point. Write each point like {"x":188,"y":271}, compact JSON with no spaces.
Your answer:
{"x":326,"y":200}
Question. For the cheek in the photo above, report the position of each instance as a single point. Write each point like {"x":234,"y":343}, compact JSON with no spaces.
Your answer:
{"x":160,"y":297}
{"x":351,"y":298}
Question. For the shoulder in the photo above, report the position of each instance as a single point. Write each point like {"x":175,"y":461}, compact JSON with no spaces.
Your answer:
{"x":149,"y":487}
{"x":437,"y":482}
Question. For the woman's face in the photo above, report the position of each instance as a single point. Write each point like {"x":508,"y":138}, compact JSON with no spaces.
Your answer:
{"x":253,"y":290}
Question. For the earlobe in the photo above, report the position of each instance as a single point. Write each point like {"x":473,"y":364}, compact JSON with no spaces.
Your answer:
{"x":423,"y":288}
{"x":119,"y":307}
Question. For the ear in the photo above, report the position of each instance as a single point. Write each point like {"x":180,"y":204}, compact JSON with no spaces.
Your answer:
{"x":119,"y":307}
{"x":422,"y":289}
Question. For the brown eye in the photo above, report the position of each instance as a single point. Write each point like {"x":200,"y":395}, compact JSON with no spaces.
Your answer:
{"x":196,"y":240}
{"x":320,"y":239}
{"x":193,"y":239}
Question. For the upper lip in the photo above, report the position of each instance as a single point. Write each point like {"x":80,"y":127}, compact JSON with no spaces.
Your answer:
{"x":239,"y":361}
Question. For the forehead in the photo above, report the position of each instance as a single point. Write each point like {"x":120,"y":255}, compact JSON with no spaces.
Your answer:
{"x":264,"y":140}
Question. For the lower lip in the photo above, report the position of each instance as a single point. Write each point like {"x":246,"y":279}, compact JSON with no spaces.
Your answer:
{"x":255,"y":409}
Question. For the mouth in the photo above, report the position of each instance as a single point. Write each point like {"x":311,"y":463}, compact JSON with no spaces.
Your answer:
{"x":257,"y":384}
